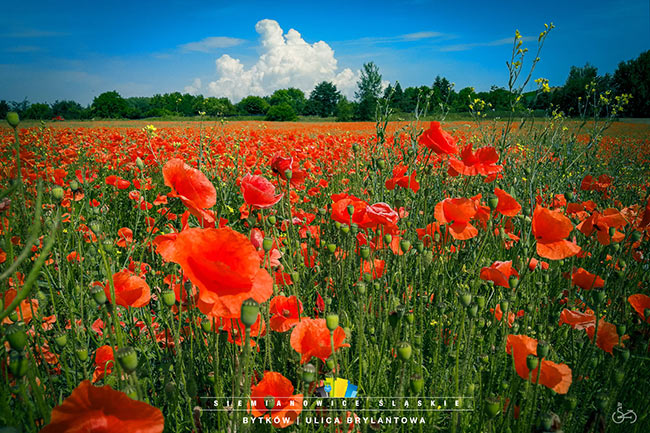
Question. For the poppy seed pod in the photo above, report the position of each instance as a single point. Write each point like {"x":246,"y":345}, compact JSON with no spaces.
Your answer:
{"x":388,"y":238}
{"x":493,"y":202}
{"x":98,"y":294}
{"x":330,"y":363}
{"x":82,"y":354}
{"x":404,"y":351}
{"x":472,"y":310}
{"x":18,"y":364}
{"x":332,"y":321}
{"x":466,"y":299}
{"x":16,"y":336}
{"x":139,"y":163}
{"x":532,"y":362}
{"x":250,"y":309}
{"x":288,"y":174}
{"x":267,"y":244}
{"x":504,"y":305}
{"x":57,"y":193}
{"x":309,"y":373}
{"x":127,"y":358}
{"x":272,"y":219}
{"x":381,"y":164}
{"x":404,"y":245}
{"x":13,"y":119}
{"x":361,"y":288}
{"x":492,"y":406}
{"x":206,"y":325}
{"x":542,"y":349}
{"x":416,"y":384}
{"x":61,"y":340}
{"x":169,"y":298}
{"x":365,"y":252}
{"x":74,"y":185}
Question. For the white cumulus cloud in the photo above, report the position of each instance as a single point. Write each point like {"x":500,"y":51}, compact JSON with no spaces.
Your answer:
{"x":286,"y":60}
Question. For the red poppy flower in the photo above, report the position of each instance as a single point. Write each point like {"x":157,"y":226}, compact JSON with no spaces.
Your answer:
{"x":601,"y":223}
{"x":586,"y":280}
{"x":125,"y":235}
{"x":285,"y":312}
{"x":340,"y":210}
{"x":374,"y":268}
{"x":191,"y":186}
{"x":93,"y":409}
{"x":280,"y":164}
{"x":24,"y":309}
{"x":441,"y":142}
{"x":607,"y":335}
{"x":104,"y":361}
{"x":499,"y":272}
{"x":259,"y":192}
{"x":382,"y":213}
{"x":457,"y":213}
{"x":482,"y":162}
{"x":400,"y":178}
{"x":310,"y":337}
{"x":223,"y":264}
{"x":507,"y":205}
{"x":236,"y":330}
{"x":498,"y":314}
{"x":130,"y":290}
{"x":640,"y":303}
{"x":551,"y":229}
{"x":552,"y":375}
{"x":286,"y":406}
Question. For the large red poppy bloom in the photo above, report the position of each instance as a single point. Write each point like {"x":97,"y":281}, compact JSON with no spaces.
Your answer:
{"x":499,"y":272}
{"x":359,"y":214}
{"x":607,"y":335}
{"x":551,"y":229}
{"x":552,"y":375}
{"x":286,"y":406}
{"x":130,"y":290}
{"x":223,"y":264}
{"x":311,"y":337}
{"x":382,"y":213}
{"x":441,"y":142}
{"x":285,"y":312}
{"x":601,"y":223}
{"x":259,"y":192}
{"x":402,"y":179}
{"x":104,"y":360}
{"x":457,"y":213}
{"x":640,"y":303}
{"x":586,"y":280}
{"x":191,"y":186}
{"x":482,"y":162}
{"x":507,"y":205}
{"x":91,"y":409}
{"x":280,"y":164}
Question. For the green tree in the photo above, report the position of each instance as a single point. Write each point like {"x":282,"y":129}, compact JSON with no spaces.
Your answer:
{"x":574,"y":88}
{"x":4,"y":109}
{"x":395,"y":94}
{"x":633,"y":77}
{"x":67,"y":109}
{"x":109,"y":105}
{"x":324,"y":99}
{"x":292,"y":96}
{"x":369,"y":90}
{"x":39,"y":111}
{"x":253,"y":105}
{"x":345,"y":110}
{"x":462,"y":101}
{"x":282,"y":112}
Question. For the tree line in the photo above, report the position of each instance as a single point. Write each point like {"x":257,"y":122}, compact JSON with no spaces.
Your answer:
{"x":325,"y":100}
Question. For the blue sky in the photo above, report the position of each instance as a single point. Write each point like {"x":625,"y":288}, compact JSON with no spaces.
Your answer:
{"x":77,"y":50}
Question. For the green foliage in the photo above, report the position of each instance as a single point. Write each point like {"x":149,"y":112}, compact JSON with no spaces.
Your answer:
{"x":633,"y":77}
{"x":324,"y":99}
{"x":345,"y":110}
{"x":282,"y":113}
{"x":109,"y":105}
{"x":292,"y":96}
{"x":574,"y":88}
{"x":253,"y":105}
{"x":215,"y":107}
{"x":68,"y":110}
{"x":369,"y":90}
{"x":38,"y":112}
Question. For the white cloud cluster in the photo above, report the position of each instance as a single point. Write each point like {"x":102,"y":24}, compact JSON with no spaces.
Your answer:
{"x":210,"y":44}
{"x":286,"y":60}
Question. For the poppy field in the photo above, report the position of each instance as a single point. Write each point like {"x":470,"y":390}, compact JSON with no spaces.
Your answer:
{"x":495,"y":271}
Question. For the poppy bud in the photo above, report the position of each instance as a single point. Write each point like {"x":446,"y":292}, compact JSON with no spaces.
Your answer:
{"x":542,"y":349}
{"x":367,"y":278}
{"x":404,"y":351}
{"x":381,"y":164}
{"x":13,"y":316}
{"x":16,"y":336}
{"x":131,"y":392}
{"x":267,"y":244}
{"x":428,"y":256}
{"x":250,"y":309}
{"x":96,"y":227}
{"x":295,"y":277}
{"x":332,"y":321}
{"x":57,"y":193}
{"x":350,"y":210}
{"x":620,"y":329}
{"x":492,"y":406}
{"x":330,"y":363}
{"x":472,"y":310}
{"x":331,"y":248}
{"x":636,"y":236}
{"x":619,"y":376}
{"x":388,"y":238}
{"x":206,"y":325}
{"x":504,"y":306}
{"x":74,"y":185}
{"x":82,"y":354}
{"x":416,"y":384}
{"x":288,"y":174}
{"x":569,"y":195}
{"x":493,"y":202}
{"x":612,"y":231}
{"x":513,"y":281}
{"x":127,"y":358}
{"x":139,"y":163}
{"x":355,"y":147}
{"x":13,"y":119}
{"x":466,"y":299}
{"x":61,"y":340}
{"x":272,"y":219}
{"x":169,"y":297}
{"x":621,"y":353}
{"x":410,"y":318}
{"x":309,"y":373}
{"x":599,"y":296}
{"x":18,"y":364}
{"x":345,"y":229}
{"x":365,"y":252}
{"x":532,"y":362}
{"x":361,"y":288}
{"x":98,"y":295}
{"x":480,"y":301}
{"x":404,"y":245}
